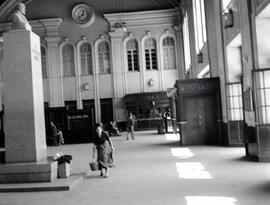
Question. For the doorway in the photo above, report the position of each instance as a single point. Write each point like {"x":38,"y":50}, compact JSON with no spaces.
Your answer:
{"x":106,"y":106}
{"x":201,"y":118}
{"x":199,"y":111}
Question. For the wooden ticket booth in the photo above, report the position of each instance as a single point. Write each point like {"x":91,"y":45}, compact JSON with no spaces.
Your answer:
{"x":199,"y":111}
{"x":147,"y":108}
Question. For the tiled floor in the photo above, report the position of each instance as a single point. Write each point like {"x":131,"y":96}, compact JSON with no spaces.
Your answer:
{"x":154,"y":170}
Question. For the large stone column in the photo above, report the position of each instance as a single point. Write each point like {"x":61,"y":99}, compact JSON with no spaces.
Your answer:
{"x":54,"y":71}
{"x":118,"y":73}
{"x":25,"y":141}
{"x":56,"y":85}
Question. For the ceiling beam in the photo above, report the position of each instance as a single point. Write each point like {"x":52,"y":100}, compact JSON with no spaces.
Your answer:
{"x":163,"y":6}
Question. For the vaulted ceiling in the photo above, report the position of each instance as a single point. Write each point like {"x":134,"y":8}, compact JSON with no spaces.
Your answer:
{"x":100,"y":6}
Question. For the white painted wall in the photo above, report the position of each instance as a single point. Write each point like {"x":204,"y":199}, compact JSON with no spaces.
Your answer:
{"x":89,"y":80}
{"x":170,"y":76}
{"x":133,"y":82}
{"x":69,"y":88}
{"x":105,"y":86}
{"x":234,"y":64}
{"x":263,"y":40}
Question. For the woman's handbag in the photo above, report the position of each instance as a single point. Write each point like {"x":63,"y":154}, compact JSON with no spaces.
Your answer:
{"x":93,"y":166}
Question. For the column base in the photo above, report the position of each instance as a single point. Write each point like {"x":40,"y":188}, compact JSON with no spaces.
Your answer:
{"x":42,"y":171}
{"x":264,"y":157}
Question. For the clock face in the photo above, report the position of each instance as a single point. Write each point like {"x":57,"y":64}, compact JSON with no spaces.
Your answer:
{"x":83,"y":15}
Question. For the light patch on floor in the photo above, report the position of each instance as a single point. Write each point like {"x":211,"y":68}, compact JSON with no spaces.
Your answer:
{"x":182,"y":153}
{"x":172,"y":137}
{"x":192,"y":170}
{"x":210,"y":200}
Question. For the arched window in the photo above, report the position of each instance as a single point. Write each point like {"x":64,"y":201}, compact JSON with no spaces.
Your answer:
{"x":132,"y":55}
{"x":150,"y":54}
{"x":169,"y":53}
{"x":86,"y":59}
{"x":68,"y":60}
{"x":104,"y":57}
{"x":43,"y":62}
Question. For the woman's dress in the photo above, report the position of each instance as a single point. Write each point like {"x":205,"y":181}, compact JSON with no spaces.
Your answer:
{"x":104,"y":150}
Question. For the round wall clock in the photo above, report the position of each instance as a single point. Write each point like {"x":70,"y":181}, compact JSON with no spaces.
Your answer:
{"x":83,"y":15}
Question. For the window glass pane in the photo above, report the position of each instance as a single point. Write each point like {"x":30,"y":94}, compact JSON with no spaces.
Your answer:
{"x":132,"y":52}
{"x":237,"y":115}
{"x":264,"y":114}
{"x":186,"y":42}
{"x":261,"y":79}
{"x":267,"y":79}
{"x":240,"y":102}
{"x":104,"y":57}
{"x":262,"y":97}
{"x":150,"y":54}
{"x":235,"y":90}
{"x":68,"y":60}
{"x":235,"y":106}
{"x":43,"y":62}
{"x":86,"y":58}
{"x":268,"y":114}
{"x":267,"y":97}
{"x":169,"y":53}
{"x":203,"y":21}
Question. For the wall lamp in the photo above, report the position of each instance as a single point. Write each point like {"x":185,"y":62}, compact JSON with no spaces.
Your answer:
{"x":85,"y":86}
{"x":200,"y":57}
{"x":150,"y":82}
{"x":228,"y":18}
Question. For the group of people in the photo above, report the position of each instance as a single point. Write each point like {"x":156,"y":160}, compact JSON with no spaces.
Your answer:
{"x":165,"y":123}
{"x":102,"y":144}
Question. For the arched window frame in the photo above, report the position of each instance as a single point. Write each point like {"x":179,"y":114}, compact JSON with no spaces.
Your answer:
{"x":97,"y":43}
{"x":62,"y":59}
{"x":125,"y":43}
{"x":79,"y":44}
{"x":44,"y":58}
{"x":144,"y":38}
{"x":161,"y":39}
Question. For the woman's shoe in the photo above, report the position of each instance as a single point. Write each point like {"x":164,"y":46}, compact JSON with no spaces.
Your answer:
{"x":106,"y":174}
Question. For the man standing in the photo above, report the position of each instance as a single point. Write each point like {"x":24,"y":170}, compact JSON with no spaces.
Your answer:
{"x":130,"y":126}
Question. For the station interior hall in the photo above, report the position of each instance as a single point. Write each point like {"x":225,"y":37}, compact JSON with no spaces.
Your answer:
{"x":194,"y":76}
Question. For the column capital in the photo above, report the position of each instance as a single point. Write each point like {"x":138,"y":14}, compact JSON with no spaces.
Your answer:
{"x":52,"y":26}
{"x":53,"y":39}
{"x":117,"y":33}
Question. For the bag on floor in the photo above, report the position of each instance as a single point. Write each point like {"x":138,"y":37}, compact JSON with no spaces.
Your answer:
{"x":93,"y":166}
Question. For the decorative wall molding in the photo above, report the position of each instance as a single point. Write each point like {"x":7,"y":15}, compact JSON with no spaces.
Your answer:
{"x":144,"y":18}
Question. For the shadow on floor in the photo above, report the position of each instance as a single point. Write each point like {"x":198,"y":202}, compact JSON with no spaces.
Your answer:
{"x":263,"y":188}
{"x":247,"y":159}
{"x":167,"y":144}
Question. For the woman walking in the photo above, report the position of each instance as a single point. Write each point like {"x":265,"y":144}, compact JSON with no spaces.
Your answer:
{"x":104,"y":148}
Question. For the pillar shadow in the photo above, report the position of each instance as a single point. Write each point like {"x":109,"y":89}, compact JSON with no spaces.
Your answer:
{"x":167,"y":144}
{"x":263,"y":188}
{"x":247,"y":159}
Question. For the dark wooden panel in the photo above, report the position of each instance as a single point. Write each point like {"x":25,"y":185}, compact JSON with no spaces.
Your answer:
{"x":106,"y":110}
{"x":201,"y":117}
{"x":264,"y":138}
{"x":236,"y":132}
{"x":198,"y":107}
